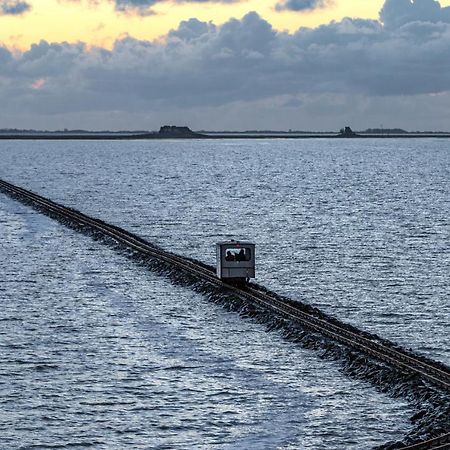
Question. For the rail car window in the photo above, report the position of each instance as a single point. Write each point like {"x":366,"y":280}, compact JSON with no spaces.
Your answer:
{"x":238,"y":254}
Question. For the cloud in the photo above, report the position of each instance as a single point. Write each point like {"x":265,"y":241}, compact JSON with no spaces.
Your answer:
{"x":38,"y":84}
{"x":396,"y":13}
{"x":141,"y":7}
{"x":13,"y":7}
{"x":301,"y":5}
{"x":293,"y":102}
{"x":203,"y":70}
{"x":144,"y":7}
{"x":192,"y":29}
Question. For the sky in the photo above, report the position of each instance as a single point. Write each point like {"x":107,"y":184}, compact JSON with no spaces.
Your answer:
{"x":225,"y":64}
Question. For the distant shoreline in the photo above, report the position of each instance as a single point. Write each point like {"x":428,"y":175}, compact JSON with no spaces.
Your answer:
{"x":183,"y":132}
{"x":214,"y":136}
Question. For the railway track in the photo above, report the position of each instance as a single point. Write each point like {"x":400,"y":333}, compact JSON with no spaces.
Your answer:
{"x":403,"y":361}
{"x":439,"y":443}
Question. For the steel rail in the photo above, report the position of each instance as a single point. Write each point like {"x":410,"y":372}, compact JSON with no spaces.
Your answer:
{"x":338,"y":333}
{"x":382,"y":352}
{"x":439,"y":443}
{"x":351,"y":339}
{"x":321,"y":325}
{"x":373,"y":348}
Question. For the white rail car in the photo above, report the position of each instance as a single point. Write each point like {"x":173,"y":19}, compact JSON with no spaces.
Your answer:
{"x":235,"y":261}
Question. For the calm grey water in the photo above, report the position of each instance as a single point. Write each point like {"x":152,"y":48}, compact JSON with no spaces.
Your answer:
{"x":96,"y":351}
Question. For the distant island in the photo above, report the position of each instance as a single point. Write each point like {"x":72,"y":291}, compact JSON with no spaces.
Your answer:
{"x":172,"y":131}
{"x":184,"y":132}
{"x":165,"y":132}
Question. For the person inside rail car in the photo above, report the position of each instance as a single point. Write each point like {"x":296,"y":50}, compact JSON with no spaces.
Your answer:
{"x":241,"y":255}
{"x":229,"y":256}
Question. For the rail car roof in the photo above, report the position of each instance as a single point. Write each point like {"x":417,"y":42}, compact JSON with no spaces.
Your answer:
{"x":235,"y":243}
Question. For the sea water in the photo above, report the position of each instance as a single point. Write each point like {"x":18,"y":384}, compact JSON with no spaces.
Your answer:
{"x":98,"y":352}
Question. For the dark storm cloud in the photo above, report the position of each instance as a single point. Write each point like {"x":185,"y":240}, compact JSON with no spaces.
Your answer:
{"x":201,"y":65}
{"x":13,"y":7}
{"x":300,"y":5}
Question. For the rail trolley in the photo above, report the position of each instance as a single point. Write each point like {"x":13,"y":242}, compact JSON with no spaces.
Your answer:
{"x":235,"y":261}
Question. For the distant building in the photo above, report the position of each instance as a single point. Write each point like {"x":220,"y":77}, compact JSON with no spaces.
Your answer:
{"x":347,"y":132}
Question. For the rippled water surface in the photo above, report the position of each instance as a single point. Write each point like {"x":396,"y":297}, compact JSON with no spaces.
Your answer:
{"x":95,"y":350}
